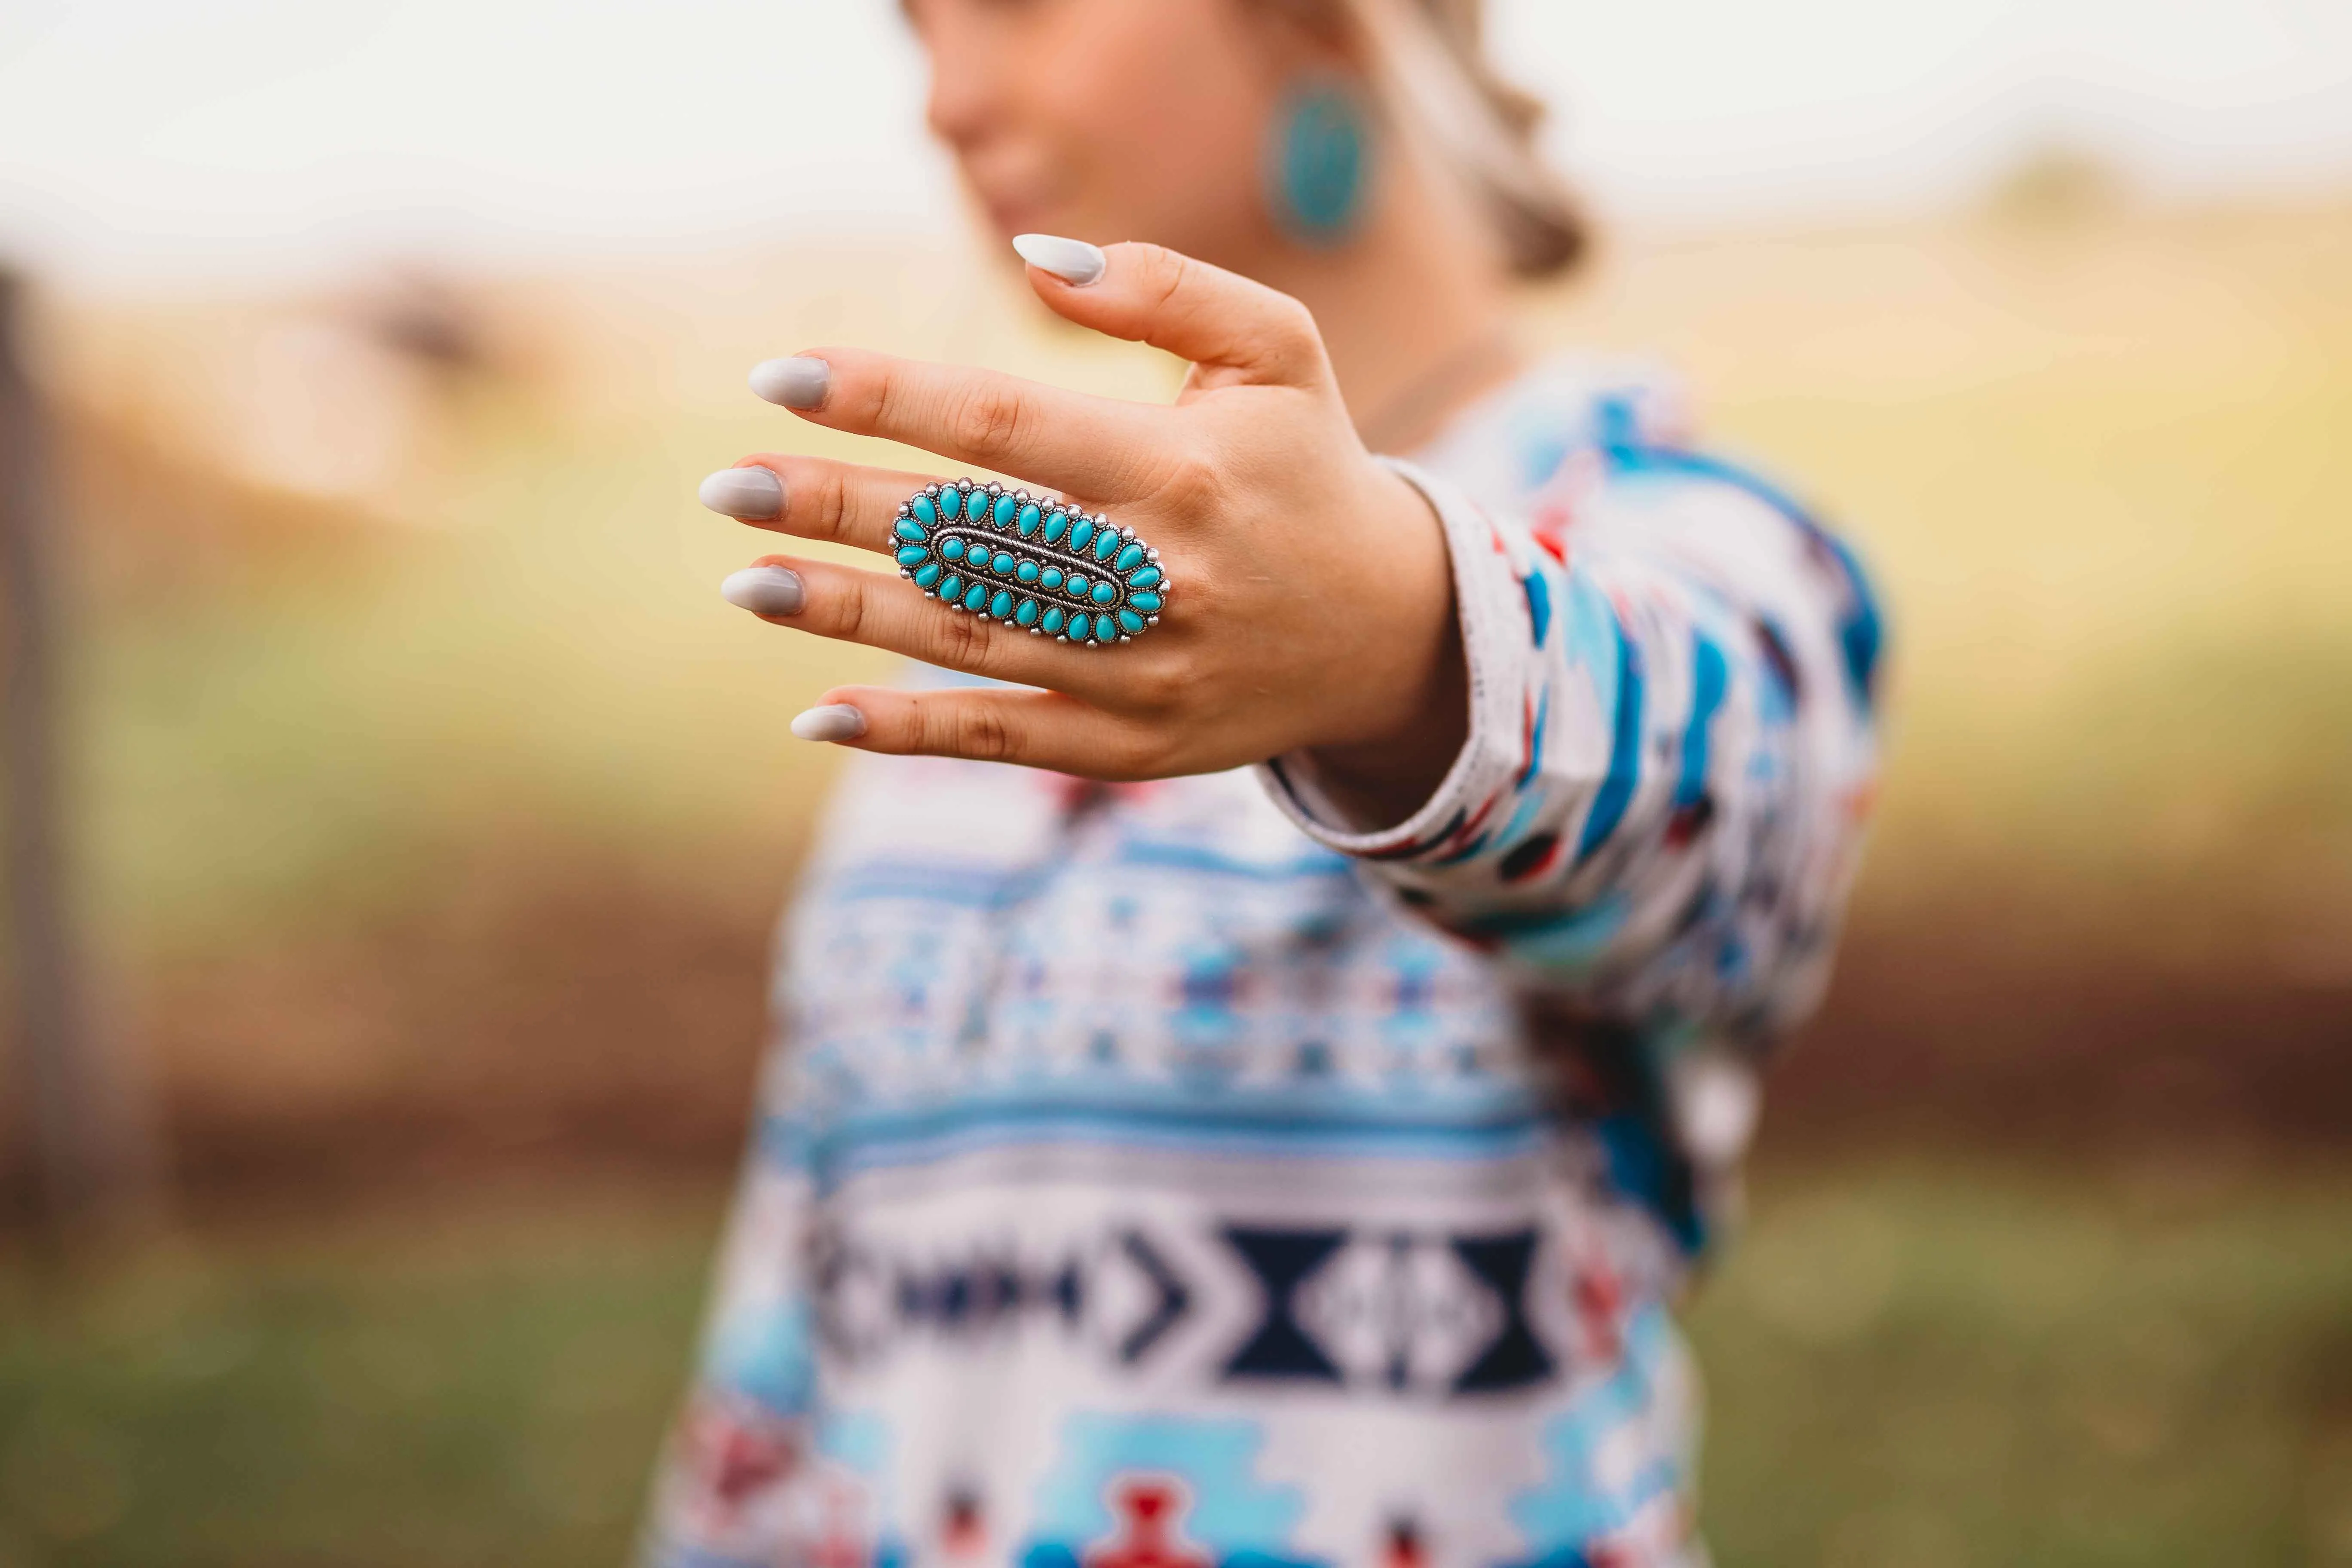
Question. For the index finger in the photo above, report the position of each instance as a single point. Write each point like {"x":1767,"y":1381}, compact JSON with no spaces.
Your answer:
{"x":1092,"y":447}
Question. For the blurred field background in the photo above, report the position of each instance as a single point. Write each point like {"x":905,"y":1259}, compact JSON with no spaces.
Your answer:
{"x":436,"y":812}
{"x":432,"y":813}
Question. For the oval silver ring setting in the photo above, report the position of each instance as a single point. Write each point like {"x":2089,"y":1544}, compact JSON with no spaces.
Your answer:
{"x":1032,"y":562}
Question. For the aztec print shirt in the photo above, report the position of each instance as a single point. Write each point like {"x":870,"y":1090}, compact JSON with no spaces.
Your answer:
{"x":1180,"y":1175}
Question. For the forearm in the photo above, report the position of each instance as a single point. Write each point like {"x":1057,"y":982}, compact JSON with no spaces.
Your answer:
{"x":1658,"y":796}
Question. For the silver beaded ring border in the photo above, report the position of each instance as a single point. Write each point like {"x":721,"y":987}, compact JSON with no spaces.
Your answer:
{"x":1043,"y":566}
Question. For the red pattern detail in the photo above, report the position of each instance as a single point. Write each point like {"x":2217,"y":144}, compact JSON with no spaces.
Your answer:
{"x":735,"y":1460}
{"x":1600,"y":1308}
{"x":1553,"y":511}
{"x":1149,"y":1510}
{"x":846,"y":1543}
{"x":1550,"y":520}
{"x":964,"y":1534}
{"x":1682,"y":828}
{"x":1072,"y":794}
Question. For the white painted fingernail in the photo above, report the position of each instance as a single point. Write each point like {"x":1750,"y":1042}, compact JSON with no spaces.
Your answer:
{"x":764,"y":591}
{"x":834,"y":722}
{"x":1074,"y":261}
{"x":751,"y":494}
{"x":796,"y":382}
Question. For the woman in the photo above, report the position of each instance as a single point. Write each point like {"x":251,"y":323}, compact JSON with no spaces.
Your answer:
{"x":1267,"y":1122}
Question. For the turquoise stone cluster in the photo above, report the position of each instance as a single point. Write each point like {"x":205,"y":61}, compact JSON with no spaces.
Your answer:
{"x":1051,"y":569}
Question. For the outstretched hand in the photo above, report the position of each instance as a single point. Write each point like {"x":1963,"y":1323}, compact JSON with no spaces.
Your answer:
{"x":1313,"y":607}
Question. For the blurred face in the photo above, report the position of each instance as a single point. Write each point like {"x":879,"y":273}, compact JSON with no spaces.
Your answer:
{"x":1111,"y":120}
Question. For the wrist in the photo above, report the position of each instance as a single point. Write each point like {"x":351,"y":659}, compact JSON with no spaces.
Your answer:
{"x":1381,"y":783}
{"x":1421,"y":721}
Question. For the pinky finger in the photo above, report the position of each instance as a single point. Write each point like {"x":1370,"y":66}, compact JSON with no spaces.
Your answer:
{"x":1029,"y":728}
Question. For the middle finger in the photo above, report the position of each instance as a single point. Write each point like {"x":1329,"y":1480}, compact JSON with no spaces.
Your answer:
{"x":839,"y":503}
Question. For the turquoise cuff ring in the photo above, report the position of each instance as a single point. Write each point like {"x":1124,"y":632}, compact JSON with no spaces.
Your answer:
{"x":1033,"y":561}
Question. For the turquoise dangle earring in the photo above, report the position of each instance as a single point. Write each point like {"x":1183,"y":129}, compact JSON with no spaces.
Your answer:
{"x":1317,"y":164}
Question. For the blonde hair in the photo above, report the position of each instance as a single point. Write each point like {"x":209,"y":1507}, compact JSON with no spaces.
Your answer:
{"x":1428,"y":61}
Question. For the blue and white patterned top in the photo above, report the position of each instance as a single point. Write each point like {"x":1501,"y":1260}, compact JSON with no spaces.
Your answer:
{"x":1177,"y":1173}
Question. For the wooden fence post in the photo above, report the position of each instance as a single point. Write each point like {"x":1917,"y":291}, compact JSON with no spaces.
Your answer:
{"x":77,"y":1113}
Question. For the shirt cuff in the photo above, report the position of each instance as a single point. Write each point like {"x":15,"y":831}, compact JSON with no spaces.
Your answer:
{"x":1490,"y":570}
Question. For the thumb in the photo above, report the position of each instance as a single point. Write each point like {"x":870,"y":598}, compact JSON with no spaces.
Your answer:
{"x":1147,"y":293}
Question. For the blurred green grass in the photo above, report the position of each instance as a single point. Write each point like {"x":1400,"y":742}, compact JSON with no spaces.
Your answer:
{"x":455,"y":1388}
{"x":1909,"y":1365}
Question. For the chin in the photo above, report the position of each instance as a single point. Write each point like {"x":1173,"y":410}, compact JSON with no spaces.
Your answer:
{"x":1011,"y":215}
{"x":1003,"y":226}
{"x":1006,"y":221}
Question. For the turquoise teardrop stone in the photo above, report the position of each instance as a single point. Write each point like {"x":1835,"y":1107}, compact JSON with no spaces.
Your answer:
{"x":1027,"y":522}
{"x":1105,"y":542}
{"x":1052,"y":624}
{"x":1106,"y":630}
{"x":909,"y":554}
{"x":953,"y":586}
{"x":927,"y":576}
{"x":1027,"y":571}
{"x":1006,"y":507}
{"x":1147,"y":603}
{"x":924,"y":511}
{"x":975,"y":597}
{"x":1026,"y":616}
{"x":1080,"y":531}
{"x":1129,"y":622}
{"x":975,"y":506}
{"x":1104,"y":593}
{"x":1002,"y":564}
{"x":908,"y":529}
{"x":1000,"y":603}
{"x":1056,"y":526}
{"x":952,"y":550}
{"x":1146,"y":578}
{"x":1130,"y":557}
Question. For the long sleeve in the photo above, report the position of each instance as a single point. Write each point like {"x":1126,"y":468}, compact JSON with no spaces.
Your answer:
{"x":1655,"y":816}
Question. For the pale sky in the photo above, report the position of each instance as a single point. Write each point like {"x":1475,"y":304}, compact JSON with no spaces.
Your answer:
{"x":141,"y":138}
